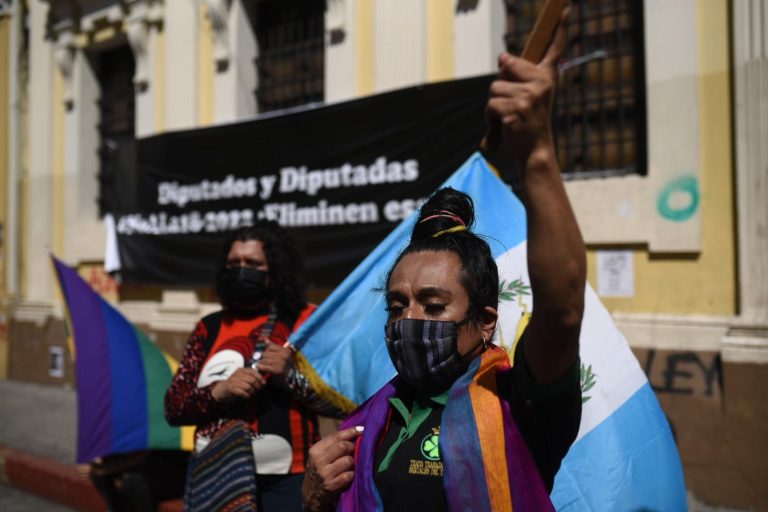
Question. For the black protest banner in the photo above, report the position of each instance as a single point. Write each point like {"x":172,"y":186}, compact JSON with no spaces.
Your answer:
{"x":339,"y":177}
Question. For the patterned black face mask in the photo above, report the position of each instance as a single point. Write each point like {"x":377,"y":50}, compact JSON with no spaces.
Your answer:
{"x":425,"y":352}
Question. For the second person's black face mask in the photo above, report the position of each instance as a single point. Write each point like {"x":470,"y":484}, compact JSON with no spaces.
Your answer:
{"x":243,"y":288}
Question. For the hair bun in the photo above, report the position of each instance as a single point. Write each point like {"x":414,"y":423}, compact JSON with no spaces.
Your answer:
{"x":446,"y":209}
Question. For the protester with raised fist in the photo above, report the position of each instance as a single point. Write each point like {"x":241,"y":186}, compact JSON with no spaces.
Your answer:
{"x":459,"y":427}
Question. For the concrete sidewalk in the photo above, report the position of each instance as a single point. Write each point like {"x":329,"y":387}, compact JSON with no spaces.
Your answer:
{"x":40,"y":420}
{"x":38,"y":442}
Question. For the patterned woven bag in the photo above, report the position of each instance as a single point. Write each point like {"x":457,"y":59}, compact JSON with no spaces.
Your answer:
{"x":222,"y":477}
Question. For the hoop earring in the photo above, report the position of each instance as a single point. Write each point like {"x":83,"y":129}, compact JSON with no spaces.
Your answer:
{"x":485,"y":343}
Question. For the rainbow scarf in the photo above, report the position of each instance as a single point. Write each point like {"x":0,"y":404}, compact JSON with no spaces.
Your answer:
{"x":121,"y":378}
{"x":487,"y":466}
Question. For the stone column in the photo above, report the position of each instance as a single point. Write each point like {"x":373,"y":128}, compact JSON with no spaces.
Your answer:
{"x":747,"y":339}
{"x":340,"y":50}
{"x":141,"y":27}
{"x":400,"y":44}
{"x":181,"y":26}
{"x":479,"y":26}
{"x":37,"y":177}
{"x":234,"y":51}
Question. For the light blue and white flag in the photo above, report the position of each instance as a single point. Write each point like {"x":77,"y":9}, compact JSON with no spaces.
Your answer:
{"x":624,"y":457}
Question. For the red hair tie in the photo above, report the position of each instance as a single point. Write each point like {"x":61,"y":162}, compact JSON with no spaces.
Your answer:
{"x":445,"y":214}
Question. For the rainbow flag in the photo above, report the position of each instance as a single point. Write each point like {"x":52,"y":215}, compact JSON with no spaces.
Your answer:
{"x":121,"y":378}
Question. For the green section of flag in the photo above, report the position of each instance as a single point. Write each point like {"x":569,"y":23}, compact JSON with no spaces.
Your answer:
{"x":158,"y":376}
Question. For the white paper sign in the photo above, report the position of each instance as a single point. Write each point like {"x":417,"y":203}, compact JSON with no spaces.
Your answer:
{"x":56,"y":362}
{"x":615,"y":274}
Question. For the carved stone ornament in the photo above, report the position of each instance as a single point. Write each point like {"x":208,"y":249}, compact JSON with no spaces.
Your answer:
{"x":336,"y":20}
{"x":137,"y":31}
{"x":143,"y":16}
{"x":465,"y":6}
{"x":64,"y":53}
{"x":6,"y":7}
{"x":218,"y":14}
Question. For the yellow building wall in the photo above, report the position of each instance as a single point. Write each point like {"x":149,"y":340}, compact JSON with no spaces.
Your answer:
{"x":366,"y":51}
{"x":59,"y":164}
{"x":159,"y":82}
{"x":703,"y":283}
{"x":440,"y":40}
{"x":5,"y":77}
{"x":205,"y":70}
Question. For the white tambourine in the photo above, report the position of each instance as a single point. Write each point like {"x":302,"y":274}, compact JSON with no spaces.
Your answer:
{"x":220,"y":366}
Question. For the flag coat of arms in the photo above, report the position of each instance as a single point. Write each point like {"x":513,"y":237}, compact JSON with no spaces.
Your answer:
{"x":121,"y":378}
{"x":624,"y":457}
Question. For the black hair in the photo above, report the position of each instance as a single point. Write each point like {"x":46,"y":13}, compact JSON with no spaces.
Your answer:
{"x":440,"y":228}
{"x":286,"y":268}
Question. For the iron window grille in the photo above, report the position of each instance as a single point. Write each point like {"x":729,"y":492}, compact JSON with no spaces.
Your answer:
{"x":117,"y":120}
{"x":600,"y":112}
{"x":291,"y":61}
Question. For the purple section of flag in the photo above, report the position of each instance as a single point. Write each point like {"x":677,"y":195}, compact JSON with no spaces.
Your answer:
{"x":362,"y":494}
{"x":94,"y":415}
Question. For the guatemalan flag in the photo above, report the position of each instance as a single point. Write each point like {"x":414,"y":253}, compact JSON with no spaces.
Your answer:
{"x":624,"y":458}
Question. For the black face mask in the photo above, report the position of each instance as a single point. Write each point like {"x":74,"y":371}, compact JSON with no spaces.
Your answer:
{"x":426,"y":352}
{"x":243,"y":288}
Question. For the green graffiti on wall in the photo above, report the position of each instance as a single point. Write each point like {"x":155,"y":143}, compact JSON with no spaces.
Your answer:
{"x":683,"y":186}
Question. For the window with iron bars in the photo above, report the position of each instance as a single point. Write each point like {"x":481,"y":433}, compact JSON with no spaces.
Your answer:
{"x":600,"y":113}
{"x":291,"y":61}
{"x":117,"y":120}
